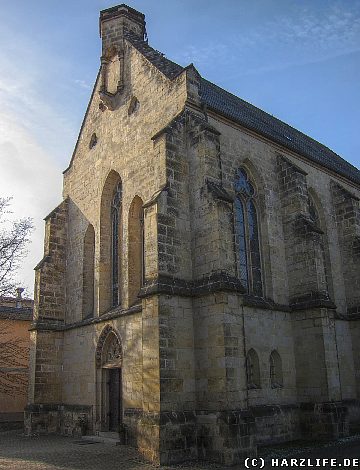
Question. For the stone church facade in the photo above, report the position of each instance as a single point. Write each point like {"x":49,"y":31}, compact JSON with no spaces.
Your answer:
{"x":200,"y":286}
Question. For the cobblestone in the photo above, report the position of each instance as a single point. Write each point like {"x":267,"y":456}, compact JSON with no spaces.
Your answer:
{"x":54,"y":452}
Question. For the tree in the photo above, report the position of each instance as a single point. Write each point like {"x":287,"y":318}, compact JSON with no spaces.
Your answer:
{"x":14,"y":353}
{"x":13,"y":240}
{"x":14,"y":350}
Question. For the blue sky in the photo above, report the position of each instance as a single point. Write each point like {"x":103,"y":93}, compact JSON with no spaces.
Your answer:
{"x":298,"y":60}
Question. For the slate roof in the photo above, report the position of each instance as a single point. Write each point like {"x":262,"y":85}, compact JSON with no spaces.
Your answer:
{"x":278,"y":131}
{"x":251,"y":117}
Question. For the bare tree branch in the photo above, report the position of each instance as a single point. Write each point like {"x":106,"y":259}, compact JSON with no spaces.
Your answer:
{"x":13,"y":241}
{"x":14,"y":350}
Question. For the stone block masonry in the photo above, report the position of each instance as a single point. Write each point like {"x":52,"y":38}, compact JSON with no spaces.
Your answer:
{"x":198,"y":291}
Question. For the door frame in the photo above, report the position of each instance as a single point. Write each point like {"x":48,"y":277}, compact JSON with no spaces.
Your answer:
{"x":105,"y":398}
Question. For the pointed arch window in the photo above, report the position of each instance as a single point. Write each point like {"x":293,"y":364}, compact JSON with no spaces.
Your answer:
{"x":115,"y":243}
{"x":247,"y":235}
{"x":252,"y":369}
{"x":276,"y":373}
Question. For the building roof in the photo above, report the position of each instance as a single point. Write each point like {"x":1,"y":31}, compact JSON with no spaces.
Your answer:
{"x":278,"y":131}
{"x":12,"y":308}
{"x":251,"y":117}
{"x":16,"y":313}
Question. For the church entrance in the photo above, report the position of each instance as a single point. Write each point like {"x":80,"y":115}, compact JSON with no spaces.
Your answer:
{"x":115,"y":399}
{"x":109,"y":381}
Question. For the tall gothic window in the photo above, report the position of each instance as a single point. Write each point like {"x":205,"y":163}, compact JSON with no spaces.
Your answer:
{"x":247,"y":235}
{"x":115,"y":243}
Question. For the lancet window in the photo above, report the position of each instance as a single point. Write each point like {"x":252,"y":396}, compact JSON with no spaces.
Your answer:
{"x":247,"y":235}
{"x":115,"y":244}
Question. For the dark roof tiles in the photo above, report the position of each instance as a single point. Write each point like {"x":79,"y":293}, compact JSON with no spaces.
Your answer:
{"x":251,"y":117}
{"x":263,"y":123}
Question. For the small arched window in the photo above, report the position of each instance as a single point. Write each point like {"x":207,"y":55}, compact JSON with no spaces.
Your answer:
{"x":93,"y":141}
{"x":247,"y":235}
{"x":115,"y":244}
{"x":252,"y":369}
{"x":133,"y":106}
{"x":276,"y":374}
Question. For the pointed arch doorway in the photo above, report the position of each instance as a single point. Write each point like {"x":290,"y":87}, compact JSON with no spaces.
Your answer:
{"x":109,"y":374}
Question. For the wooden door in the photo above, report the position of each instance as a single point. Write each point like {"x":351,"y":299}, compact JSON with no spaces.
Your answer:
{"x":115,"y":399}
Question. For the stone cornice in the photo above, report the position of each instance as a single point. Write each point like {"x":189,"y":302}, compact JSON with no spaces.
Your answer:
{"x":44,"y":324}
{"x":304,"y":224}
{"x":220,"y":281}
{"x":218,"y":191}
{"x":186,"y":114}
{"x":312,"y":300}
{"x":264,"y":303}
{"x":153,"y":199}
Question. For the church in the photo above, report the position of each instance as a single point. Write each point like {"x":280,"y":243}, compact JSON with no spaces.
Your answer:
{"x":199,"y":294}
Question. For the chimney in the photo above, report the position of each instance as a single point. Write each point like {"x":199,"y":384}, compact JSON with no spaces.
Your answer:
{"x":115,"y":21}
{"x":19,"y":292}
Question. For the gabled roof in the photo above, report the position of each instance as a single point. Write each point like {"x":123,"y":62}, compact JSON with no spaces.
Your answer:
{"x":251,"y":117}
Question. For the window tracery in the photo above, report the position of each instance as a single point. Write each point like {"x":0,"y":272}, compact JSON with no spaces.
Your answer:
{"x":247,"y":235}
{"x":108,"y":350}
{"x":113,"y":353}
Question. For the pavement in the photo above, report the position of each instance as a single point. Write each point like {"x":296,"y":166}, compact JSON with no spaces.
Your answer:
{"x":54,"y":452}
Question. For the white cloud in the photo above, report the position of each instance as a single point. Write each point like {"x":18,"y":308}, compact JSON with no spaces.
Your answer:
{"x":309,"y":35}
{"x":83,"y":84}
{"x":34,"y":141}
{"x":33,"y":180}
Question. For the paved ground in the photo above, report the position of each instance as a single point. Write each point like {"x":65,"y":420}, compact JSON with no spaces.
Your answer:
{"x":65,"y":453}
